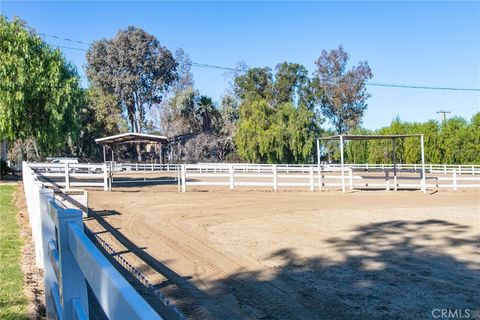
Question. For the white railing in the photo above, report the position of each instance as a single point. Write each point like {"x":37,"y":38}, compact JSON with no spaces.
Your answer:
{"x":430,"y":168}
{"x":83,"y":174}
{"x":313,"y":177}
{"x":70,"y":260}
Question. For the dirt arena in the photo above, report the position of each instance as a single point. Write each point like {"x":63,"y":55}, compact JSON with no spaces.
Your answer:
{"x":299,"y":254}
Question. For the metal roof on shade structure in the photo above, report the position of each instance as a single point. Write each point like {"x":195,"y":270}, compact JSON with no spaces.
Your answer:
{"x":370,"y":136}
{"x":132,"y":137}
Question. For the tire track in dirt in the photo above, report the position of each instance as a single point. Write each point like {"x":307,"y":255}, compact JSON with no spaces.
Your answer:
{"x":267,"y":299}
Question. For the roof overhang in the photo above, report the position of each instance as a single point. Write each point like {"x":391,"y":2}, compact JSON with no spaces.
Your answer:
{"x":370,"y":136}
{"x":131,"y":137}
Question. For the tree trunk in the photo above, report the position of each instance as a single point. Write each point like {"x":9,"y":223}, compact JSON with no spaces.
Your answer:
{"x":139,"y":152}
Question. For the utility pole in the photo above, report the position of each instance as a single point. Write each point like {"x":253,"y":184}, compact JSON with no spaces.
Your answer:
{"x":444,"y":114}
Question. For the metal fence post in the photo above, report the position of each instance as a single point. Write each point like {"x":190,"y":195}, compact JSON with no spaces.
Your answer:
{"x":274,"y":171}
{"x":232,"y":177}
{"x":71,"y":282}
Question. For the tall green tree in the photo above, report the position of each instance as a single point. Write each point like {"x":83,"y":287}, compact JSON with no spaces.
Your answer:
{"x":134,"y":67}
{"x":255,"y":83}
{"x":99,"y":116}
{"x":342,"y":93}
{"x":39,"y":90}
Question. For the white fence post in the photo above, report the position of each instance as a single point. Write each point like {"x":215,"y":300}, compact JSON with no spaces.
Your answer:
{"x":232,"y":177}
{"x":350,"y":178}
{"x":387,"y":180}
{"x":319,"y":179}
{"x":67,"y":176}
{"x":312,"y":184}
{"x":274,"y":172}
{"x":454,"y":180}
{"x":105,"y":177}
{"x":36,"y":223}
{"x":184,"y":179}
{"x":71,"y":281}
{"x":48,"y":233}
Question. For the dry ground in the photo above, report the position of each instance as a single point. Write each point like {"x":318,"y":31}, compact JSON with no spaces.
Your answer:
{"x":299,"y":254}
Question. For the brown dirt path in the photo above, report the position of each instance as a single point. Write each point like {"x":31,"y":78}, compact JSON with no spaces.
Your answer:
{"x":300,"y":255}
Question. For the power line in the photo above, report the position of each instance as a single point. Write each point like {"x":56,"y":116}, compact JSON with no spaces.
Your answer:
{"x":61,"y":38}
{"x":419,"y":87}
{"x":212,"y":66}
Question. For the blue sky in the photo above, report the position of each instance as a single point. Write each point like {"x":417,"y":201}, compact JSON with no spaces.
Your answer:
{"x":421,"y":43}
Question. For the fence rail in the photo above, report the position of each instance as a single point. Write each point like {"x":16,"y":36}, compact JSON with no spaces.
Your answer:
{"x":102,"y":174}
{"x":70,"y":260}
{"x":314,"y":177}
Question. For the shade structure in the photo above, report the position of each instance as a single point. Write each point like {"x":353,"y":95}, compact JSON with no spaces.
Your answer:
{"x":343,"y":137}
{"x":131,"y":137}
{"x":369,"y":136}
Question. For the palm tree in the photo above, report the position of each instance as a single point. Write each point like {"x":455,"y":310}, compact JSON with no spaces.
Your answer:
{"x":206,"y":111}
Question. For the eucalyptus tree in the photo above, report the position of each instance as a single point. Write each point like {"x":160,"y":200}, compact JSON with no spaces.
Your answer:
{"x":134,"y":67}
{"x":39,"y":90}
{"x":341,"y":93}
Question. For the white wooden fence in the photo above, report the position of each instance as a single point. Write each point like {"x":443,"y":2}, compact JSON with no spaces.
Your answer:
{"x":70,"y":260}
{"x":314,"y":177}
{"x":263,"y":175}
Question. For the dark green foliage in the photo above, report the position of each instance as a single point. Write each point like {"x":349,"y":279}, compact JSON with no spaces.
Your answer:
{"x":341,"y":93}
{"x":135,"y":68}
{"x":277,"y":121}
{"x":39,"y":90}
{"x":454,"y":141}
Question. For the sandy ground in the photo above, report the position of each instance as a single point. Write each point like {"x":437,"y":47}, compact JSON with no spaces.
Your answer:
{"x":299,"y":254}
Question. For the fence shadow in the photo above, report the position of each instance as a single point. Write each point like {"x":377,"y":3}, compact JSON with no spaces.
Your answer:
{"x":389,"y":270}
{"x":193,"y":302}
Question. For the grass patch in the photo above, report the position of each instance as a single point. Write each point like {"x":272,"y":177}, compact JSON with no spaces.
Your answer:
{"x":13,"y":303}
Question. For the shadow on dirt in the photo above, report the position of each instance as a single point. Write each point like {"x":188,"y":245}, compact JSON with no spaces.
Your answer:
{"x":391,"y":270}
